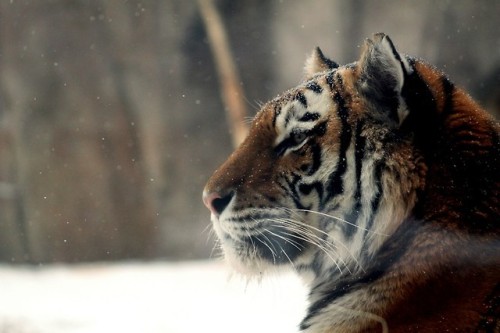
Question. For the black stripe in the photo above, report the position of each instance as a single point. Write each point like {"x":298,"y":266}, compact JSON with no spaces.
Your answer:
{"x":289,"y":115}
{"x":378,"y":183}
{"x":397,"y":56}
{"x":291,"y":190}
{"x":330,"y":80}
{"x":317,"y":263}
{"x":277,"y":112}
{"x":310,"y":116}
{"x":330,"y":63}
{"x":299,"y":96}
{"x":281,"y":148}
{"x":252,"y":216}
{"x":291,"y":141}
{"x":303,"y":267}
{"x":359,"y":152}
{"x":319,"y":129}
{"x":316,"y":159}
{"x":335,"y":183}
{"x":308,"y":188}
{"x":311,"y":85}
{"x":375,"y":203}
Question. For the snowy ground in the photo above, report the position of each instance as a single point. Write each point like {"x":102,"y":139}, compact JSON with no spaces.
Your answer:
{"x":146,"y":298}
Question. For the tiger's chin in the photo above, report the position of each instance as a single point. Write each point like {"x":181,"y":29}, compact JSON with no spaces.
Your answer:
{"x":262,"y":251}
{"x":248,"y":265}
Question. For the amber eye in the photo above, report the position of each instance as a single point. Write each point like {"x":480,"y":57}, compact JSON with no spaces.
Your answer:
{"x":296,"y":140}
{"x":297,"y":137}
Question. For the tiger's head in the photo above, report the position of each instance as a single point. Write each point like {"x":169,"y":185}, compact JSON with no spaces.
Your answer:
{"x":328,"y":171}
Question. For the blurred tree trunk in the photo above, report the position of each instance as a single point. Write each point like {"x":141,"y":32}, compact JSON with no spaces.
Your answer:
{"x":230,"y":82}
{"x":79,"y":160}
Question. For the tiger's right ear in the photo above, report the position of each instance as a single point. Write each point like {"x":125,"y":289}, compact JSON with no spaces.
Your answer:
{"x":383,"y":72}
{"x":317,"y":62}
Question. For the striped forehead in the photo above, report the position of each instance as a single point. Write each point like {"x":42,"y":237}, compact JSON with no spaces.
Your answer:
{"x":309,"y":104}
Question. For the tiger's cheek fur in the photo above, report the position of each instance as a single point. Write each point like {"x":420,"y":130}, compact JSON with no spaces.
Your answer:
{"x":250,"y":166}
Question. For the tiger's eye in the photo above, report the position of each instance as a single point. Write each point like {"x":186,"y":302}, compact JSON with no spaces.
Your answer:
{"x":298,"y":137}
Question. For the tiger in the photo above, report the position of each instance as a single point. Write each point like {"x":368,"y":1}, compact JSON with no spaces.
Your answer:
{"x":377,"y":182}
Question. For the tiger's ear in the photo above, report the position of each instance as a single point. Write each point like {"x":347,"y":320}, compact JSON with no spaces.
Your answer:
{"x":317,"y":62}
{"x":382,"y":75}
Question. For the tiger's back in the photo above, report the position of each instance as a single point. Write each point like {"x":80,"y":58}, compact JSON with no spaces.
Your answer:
{"x":378,"y":183}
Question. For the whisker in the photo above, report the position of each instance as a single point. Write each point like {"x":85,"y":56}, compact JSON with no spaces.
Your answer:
{"x":248,"y":120}
{"x":291,"y":242}
{"x":331,"y":245}
{"x":211,"y":234}
{"x":217,"y":247}
{"x":208,"y":228}
{"x":290,"y":260}
{"x":254,"y":247}
{"x":337,"y":219}
{"x":273,"y":253}
{"x":305,"y":225}
{"x":255,"y":106}
{"x":322,"y":248}
{"x":281,"y":248}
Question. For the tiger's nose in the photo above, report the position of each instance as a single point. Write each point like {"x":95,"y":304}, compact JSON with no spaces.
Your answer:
{"x":217,"y":202}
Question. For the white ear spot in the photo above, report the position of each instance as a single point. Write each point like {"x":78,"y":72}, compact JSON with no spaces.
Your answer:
{"x":403,"y":111}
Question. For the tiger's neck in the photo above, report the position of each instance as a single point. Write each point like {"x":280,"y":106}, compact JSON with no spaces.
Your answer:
{"x":460,"y":145}
{"x":379,"y":191}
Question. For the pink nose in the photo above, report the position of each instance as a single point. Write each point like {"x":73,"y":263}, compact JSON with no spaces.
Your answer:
{"x":216,"y":202}
{"x":208,"y":199}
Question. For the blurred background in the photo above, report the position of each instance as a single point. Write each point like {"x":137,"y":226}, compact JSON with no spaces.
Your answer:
{"x":111,"y":117}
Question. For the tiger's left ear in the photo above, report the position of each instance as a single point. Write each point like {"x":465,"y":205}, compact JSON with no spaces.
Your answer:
{"x":317,"y":62}
{"x":383,"y":72}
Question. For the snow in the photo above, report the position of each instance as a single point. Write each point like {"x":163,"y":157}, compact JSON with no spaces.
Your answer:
{"x":153,"y":297}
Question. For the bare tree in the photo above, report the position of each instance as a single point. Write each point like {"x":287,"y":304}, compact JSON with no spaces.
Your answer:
{"x":232,"y":93}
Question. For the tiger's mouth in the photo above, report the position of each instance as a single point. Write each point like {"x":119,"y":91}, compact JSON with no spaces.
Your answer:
{"x":262,"y":239}
{"x":271,"y":244}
